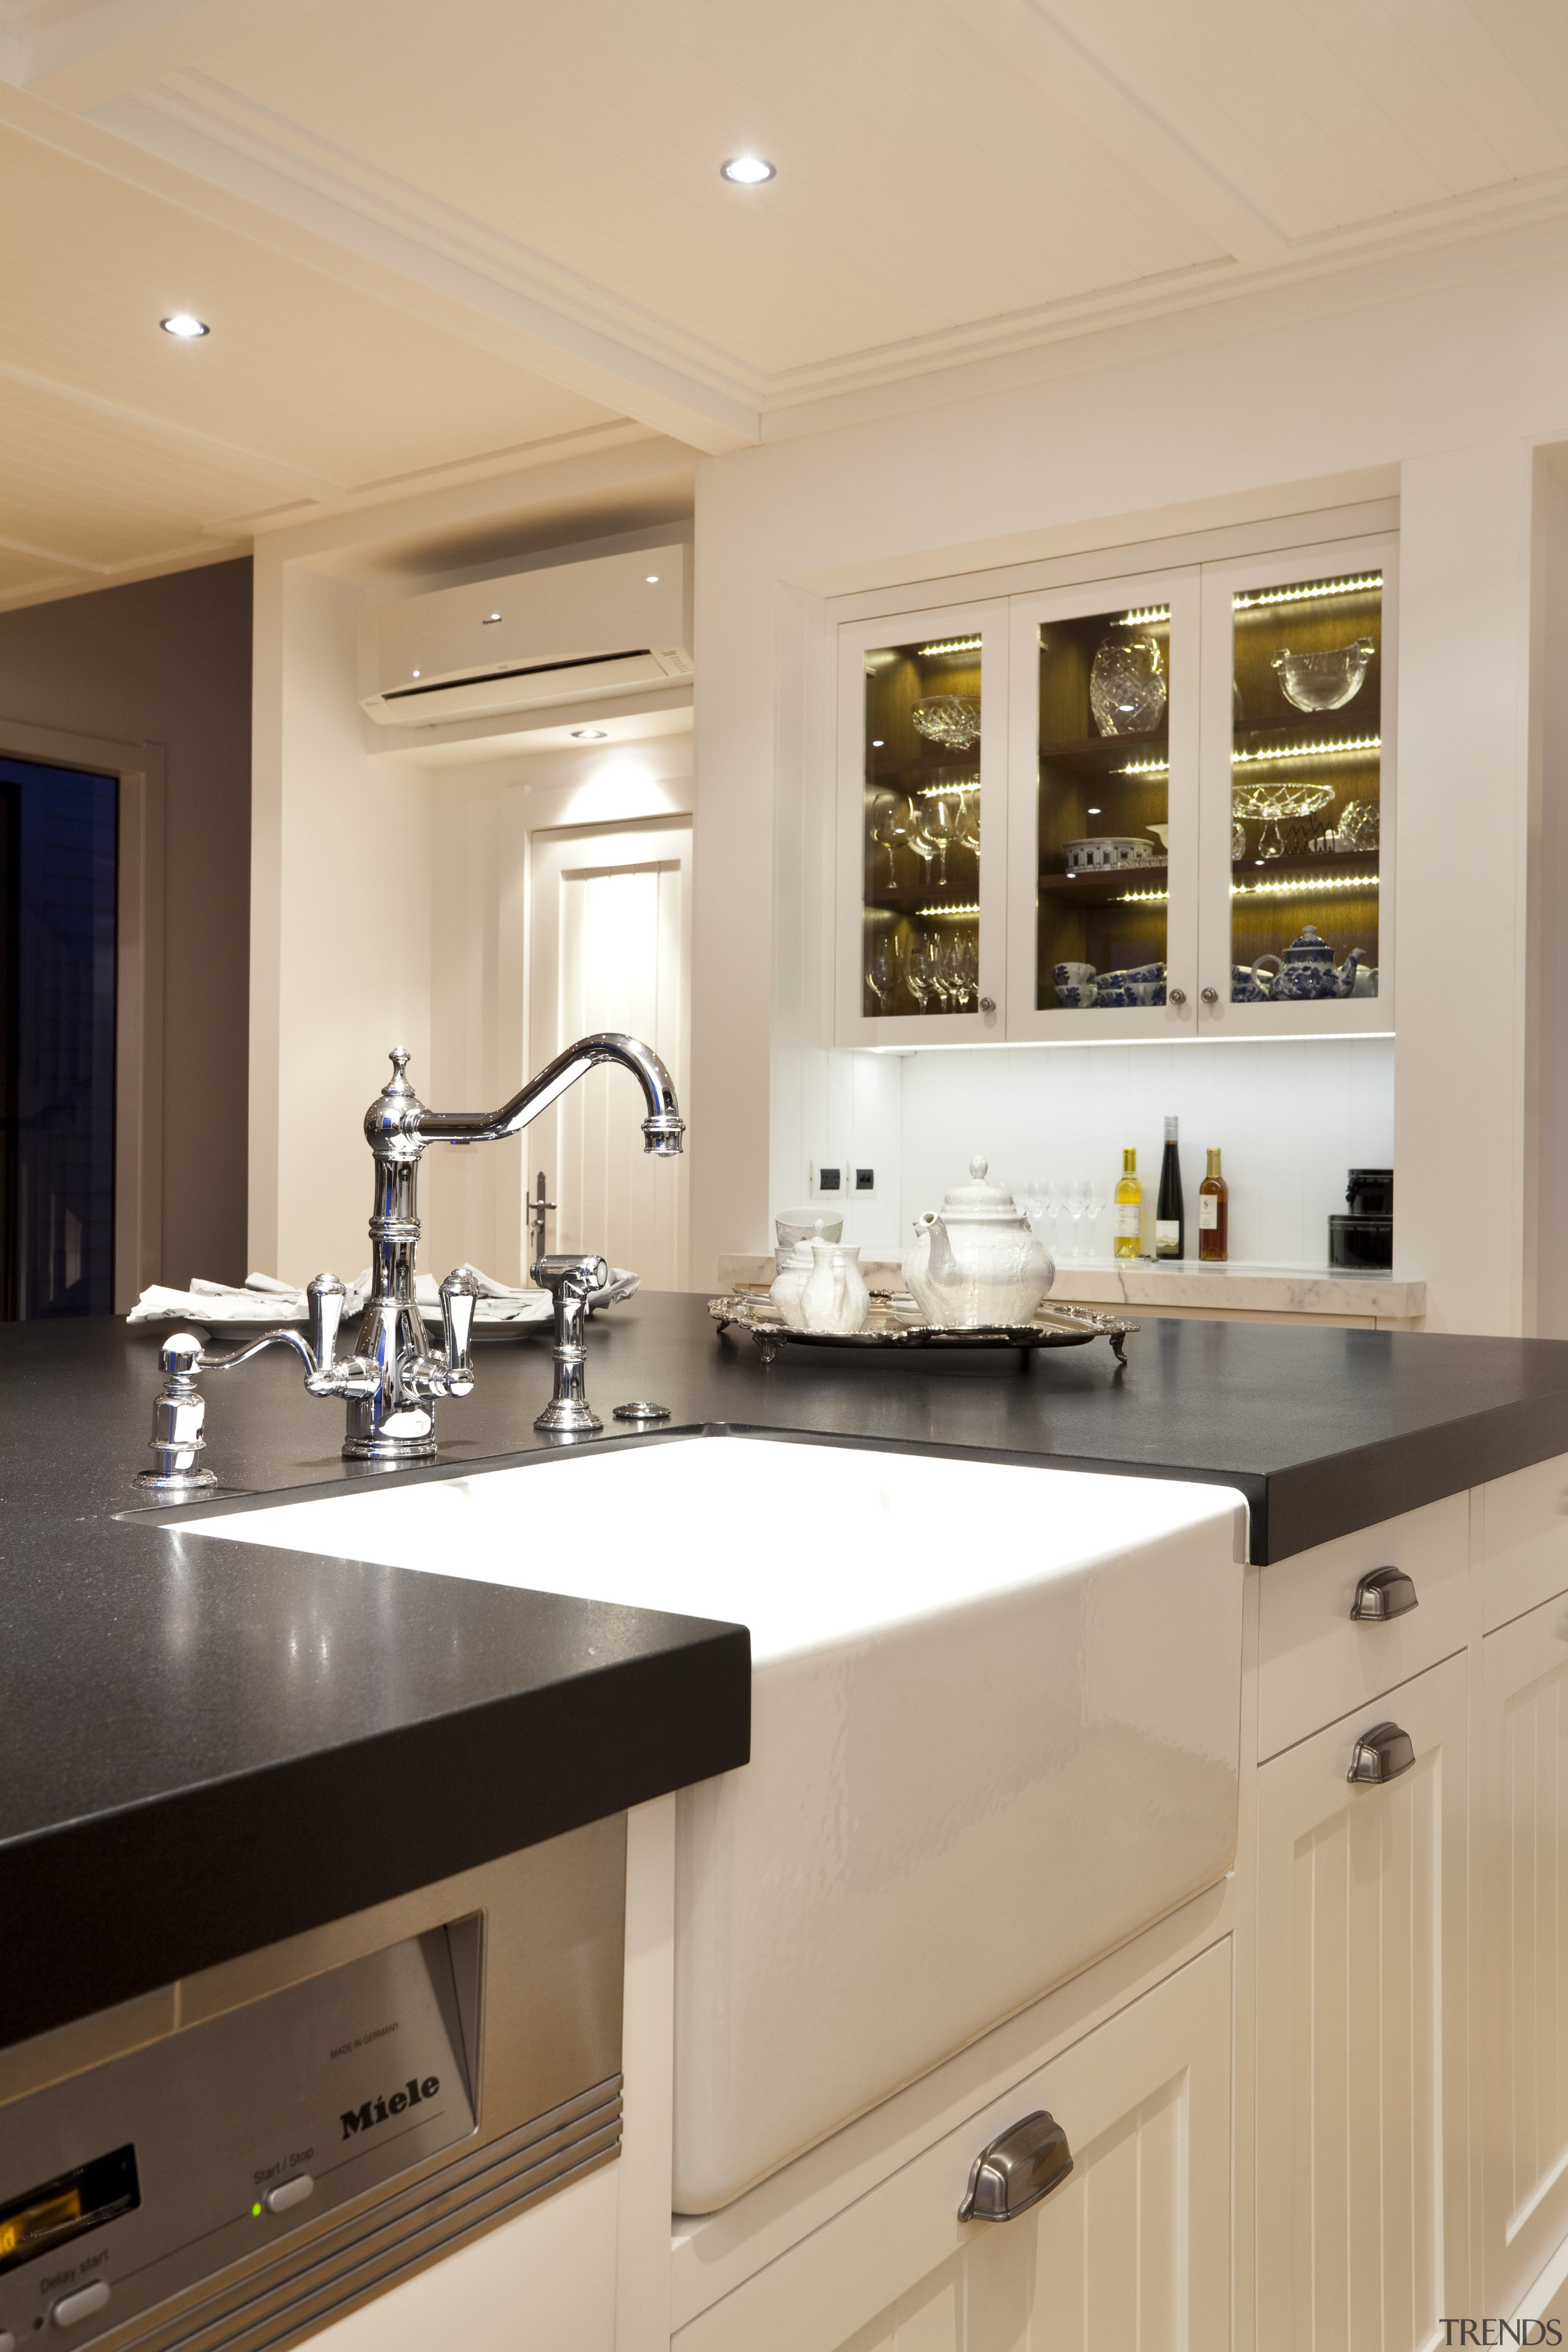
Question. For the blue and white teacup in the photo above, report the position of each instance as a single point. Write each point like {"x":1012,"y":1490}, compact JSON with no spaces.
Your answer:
{"x":1074,"y":998}
{"x":1072,"y":975}
{"x":1146,"y":992}
{"x":1246,"y":985}
{"x":1142,"y":971}
{"x":1112,"y":988}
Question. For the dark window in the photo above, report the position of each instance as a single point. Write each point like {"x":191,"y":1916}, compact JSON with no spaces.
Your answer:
{"x":58,"y":853}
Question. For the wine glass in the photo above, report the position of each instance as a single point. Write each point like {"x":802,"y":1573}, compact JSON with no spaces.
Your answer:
{"x":933,"y":960}
{"x":1051,"y":1204}
{"x":1076,"y":1203}
{"x":938,"y":824}
{"x":968,"y":819}
{"x":914,"y":970}
{"x":1094,"y":1209}
{"x":952,"y":964}
{"x":882,"y":972}
{"x":891,"y":831}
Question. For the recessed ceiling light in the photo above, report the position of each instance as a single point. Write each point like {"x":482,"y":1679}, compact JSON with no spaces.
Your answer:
{"x":416,"y":673}
{"x":653,"y":580}
{"x":488,"y":619}
{"x":589,"y":734}
{"x":188,"y":329}
{"x":747,"y":170}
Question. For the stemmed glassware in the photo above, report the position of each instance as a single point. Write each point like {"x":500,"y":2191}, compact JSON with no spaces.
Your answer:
{"x":882,"y":972}
{"x":915,"y":975}
{"x":968,"y":816}
{"x":939,"y":823}
{"x":1077,"y":1204}
{"x":1094,"y":1208}
{"x":892,"y":830}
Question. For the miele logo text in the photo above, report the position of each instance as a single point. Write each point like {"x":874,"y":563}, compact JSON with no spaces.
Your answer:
{"x":376,"y":2111}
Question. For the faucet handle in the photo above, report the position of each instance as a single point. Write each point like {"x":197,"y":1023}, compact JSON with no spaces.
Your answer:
{"x":459,"y":1297}
{"x":178,"y":1412}
{"x":325,"y":1300}
{"x":565,"y":1277}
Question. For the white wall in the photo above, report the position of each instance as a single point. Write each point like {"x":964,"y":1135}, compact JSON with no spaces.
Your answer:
{"x":1432,"y":378}
{"x":1291,"y":1117}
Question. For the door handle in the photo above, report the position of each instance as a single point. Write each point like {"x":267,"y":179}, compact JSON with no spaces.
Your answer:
{"x":1014,"y":2172}
{"x":1209,"y":995}
{"x":1177,"y":995}
{"x":1381,"y":1754}
{"x":1381,"y":1593}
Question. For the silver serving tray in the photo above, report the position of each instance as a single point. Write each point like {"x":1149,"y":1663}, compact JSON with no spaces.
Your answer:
{"x":1052,"y":1327}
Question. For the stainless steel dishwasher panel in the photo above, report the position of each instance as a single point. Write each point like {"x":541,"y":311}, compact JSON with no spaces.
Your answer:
{"x":329,"y":2116}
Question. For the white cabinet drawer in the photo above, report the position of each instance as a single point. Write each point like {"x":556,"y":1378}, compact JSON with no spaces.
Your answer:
{"x":1316,"y":1663}
{"x":1133,"y":2247}
{"x":1523,"y":1541}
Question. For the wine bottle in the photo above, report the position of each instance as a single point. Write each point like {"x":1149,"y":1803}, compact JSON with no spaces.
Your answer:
{"x":1129,"y":1207}
{"x":1214,"y":1214}
{"x":1170,"y":1224}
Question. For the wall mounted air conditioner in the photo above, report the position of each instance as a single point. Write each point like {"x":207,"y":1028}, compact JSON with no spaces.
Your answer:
{"x":570,"y":633}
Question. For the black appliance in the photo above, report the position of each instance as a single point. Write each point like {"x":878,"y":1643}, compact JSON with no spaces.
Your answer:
{"x":1364,"y":1238}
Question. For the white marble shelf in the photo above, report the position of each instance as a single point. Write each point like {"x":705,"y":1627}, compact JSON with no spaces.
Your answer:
{"x":1279,"y":1294}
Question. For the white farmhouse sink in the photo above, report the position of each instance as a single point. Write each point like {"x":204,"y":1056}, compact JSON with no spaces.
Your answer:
{"x":994,"y":1732}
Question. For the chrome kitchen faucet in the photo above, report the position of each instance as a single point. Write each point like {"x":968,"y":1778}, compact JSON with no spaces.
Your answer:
{"x":392,"y":1383}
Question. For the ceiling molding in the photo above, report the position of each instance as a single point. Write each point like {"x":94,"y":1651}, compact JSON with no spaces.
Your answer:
{"x":85,"y":579}
{"x":98,"y":52}
{"x":249,"y":461}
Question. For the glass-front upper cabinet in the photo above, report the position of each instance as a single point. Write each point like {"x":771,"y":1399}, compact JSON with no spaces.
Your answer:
{"x":1159,"y":805}
{"x":923,"y":838}
{"x":1298,"y":741}
{"x":1103,"y":821}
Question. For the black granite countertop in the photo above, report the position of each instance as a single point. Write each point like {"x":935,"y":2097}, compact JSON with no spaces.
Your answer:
{"x":210,"y":1746}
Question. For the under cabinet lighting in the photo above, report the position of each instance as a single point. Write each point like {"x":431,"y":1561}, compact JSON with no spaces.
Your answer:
{"x":1303,"y":889}
{"x":590,"y":734}
{"x":947,"y":910}
{"x":946,"y":792}
{"x":184,"y":327}
{"x":748,"y":171}
{"x":1145,"y":768}
{"x":1138,"y":898}
{"x":1142,"y":615}
{"x":1308,"y":750}
{"x":1094,"y":812}
{"x":1359,"y":586}
{"x":950,"y":645}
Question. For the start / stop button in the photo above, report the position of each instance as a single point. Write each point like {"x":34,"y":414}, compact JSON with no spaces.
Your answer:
{"x":81,"y":2304}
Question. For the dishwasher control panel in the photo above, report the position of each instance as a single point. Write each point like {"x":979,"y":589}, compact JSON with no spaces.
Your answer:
{"x":124,"y":2185}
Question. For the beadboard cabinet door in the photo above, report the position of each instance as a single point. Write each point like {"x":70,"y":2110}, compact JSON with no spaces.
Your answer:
{"x":1132,"y":2251}
{"x":1362,"y":2204}
{"x":1521,"y":2024}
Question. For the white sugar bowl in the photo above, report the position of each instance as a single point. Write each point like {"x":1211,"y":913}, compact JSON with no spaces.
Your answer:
{"x":795,"y":1272}
{"x":977,"y":1264}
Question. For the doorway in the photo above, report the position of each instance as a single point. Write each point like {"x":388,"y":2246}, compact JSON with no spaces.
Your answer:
{"x":610,"y":928}
{"x":59,"y":895}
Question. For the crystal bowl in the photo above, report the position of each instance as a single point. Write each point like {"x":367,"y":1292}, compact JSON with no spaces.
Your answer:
{"x":1324,"y":681}
{"x":950,"y":719}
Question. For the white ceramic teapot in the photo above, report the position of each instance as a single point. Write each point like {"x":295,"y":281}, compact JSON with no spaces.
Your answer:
{"x":977,"y":1264}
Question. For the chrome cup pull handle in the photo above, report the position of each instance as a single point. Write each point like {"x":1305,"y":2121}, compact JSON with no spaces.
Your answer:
{"x":1016,"y":2170}
{"x":1382,"y":1593}
{"x":1381,"y":1754}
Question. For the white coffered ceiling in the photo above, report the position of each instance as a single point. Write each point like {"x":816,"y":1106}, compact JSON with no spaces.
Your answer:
{"x":481,"y":234}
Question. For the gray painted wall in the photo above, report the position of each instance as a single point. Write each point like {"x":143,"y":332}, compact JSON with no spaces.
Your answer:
{"x":168,"y":662}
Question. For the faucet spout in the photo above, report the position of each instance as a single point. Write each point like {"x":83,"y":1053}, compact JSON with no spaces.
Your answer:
{"x":662,"y":1128}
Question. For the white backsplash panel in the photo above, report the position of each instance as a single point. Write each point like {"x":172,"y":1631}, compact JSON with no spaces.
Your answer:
{"x":1290,"y":1117}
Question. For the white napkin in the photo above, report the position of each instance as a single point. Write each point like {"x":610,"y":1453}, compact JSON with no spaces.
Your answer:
{"x":262,"y":1298}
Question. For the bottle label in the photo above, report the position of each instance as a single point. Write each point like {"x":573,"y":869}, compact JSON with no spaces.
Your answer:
{"x":1208,"y":1212}
{"x":1129,"y":1220}
{"x":1167,"y":1237}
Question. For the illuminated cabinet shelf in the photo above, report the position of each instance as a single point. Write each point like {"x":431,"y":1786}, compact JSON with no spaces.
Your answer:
{"x":1110,"y":811}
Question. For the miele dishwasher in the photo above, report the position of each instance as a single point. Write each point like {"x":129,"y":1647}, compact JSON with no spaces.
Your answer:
{"x":272,"y":2142}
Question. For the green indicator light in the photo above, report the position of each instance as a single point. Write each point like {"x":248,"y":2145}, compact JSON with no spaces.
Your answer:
{"x":255,"y":2210}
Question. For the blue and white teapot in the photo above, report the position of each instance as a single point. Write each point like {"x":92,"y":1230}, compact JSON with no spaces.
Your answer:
{"x":1306,"y":969}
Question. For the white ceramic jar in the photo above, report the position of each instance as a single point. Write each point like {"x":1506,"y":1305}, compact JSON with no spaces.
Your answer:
{"x":795,"y":1272}
{"x":977,"y":1264}
{"x":834,"y":1298}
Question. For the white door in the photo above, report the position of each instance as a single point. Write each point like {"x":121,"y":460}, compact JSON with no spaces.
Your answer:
{"x":610,"y":951}
{"x":1361,"y":2202}
{"x":1522,"y":1847}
